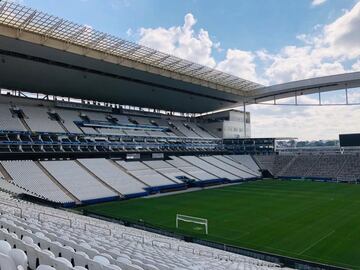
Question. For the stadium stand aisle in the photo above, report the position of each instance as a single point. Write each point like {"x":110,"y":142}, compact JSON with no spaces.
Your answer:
{"x":265,"y":162}
{"x":238,"y":165}
{"x":280,"y":163}
{"x":195,"y":172}
{"x":38,"y":119}
{"x":224,"y":165}
{"x":245,"y":160}
{"x":327,"y":166}
{"x":114,"y":176}
{"x":8,"y":121}
{"x":74,"y":178}
{"x":350,"y":171}
{"x":209,"y":168}
{"x":199,"y":131}
{"x":301,"y":166}
{"x":167,"y":170}
{"x":68,"y":117}
{"x":185,"y":130}
{"x":145,"y":174}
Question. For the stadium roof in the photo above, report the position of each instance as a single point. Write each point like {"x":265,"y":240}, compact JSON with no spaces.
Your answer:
{"x":46,"y":54}
{"x":306,"y":87}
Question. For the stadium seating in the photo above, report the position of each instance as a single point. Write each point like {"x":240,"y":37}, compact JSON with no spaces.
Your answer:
{"x":327,"y":166}
{"x":68,"y":117}
{"x":333,"y":167}
{"x":145,"y":174}
{"x":247,"y":161}
{"x":38,"y":237}
{"x":109,"y":172}
{"x":218,"y":172}
{"x":350,"y":170}
{"x":186,"y":131}
{"x":196,"y":172}
{"x":282,"y":165}
{"x":8,"y":121}
{"x":237,"y":164}
{"x":266,"y":162}
{"x":29,"y":176}
{"x":201,"y":132}
{"x":38,"y":119}
{"x":167,"y":170}
{"x":86,"y":180}
{"x":227,"y":167}
{"x":74,"y":179}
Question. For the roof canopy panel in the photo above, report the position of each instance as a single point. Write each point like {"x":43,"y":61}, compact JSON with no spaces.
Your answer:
{"x":50,"y":27}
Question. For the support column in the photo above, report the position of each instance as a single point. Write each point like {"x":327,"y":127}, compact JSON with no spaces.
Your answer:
{"x":244,"y":109}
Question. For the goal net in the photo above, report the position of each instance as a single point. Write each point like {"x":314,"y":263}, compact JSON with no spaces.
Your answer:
{"x":190,"y":219}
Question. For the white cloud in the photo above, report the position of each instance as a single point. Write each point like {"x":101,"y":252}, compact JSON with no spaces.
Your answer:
{"x":304,"y":122}
{"x":324,"y":53}
{"x":342,"y":37}
{"x":181,"y":41}
{"x":317,"y":2}
{"x":185,"y":42}
{"x":296,"y":63}
{"x":329,"y":49}
{"x":239,"y":63}
{"x":356,"y":65}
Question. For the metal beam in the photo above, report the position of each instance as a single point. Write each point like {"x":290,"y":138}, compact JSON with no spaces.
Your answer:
{"x":146,"y":55}
{"x":96,"y":41}
{"x":76,"y":35}
{"x":131,"y":51}
{"x":172,"y":63}
{"x":2,"y":7}
{"x":51,"y":30}
{"x":112,"y":48}
{"x":161,"y":59}
{"x":346,"y":95}
{"x":183,"y":67}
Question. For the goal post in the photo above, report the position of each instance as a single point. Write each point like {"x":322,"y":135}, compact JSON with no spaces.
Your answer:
{"x":190,"y":219}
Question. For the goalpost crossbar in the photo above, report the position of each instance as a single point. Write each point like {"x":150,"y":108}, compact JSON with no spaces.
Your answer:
{"x":190,"y":219}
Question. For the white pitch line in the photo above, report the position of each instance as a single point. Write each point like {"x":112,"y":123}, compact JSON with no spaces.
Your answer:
{"x":317,"y":242}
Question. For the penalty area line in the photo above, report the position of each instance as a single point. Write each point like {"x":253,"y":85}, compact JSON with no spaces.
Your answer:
{"x":317,"y":242}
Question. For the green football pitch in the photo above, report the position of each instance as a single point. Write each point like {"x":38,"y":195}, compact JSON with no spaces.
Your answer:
{"x":308,"y":220}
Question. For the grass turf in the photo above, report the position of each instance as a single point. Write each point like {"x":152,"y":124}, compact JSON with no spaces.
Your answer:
{"x":308,"y":220}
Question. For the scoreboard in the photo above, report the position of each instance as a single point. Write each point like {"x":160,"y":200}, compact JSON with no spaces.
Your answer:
{"x":348,"y":140}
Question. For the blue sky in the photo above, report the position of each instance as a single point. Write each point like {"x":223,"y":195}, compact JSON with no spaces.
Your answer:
{"x":253,"y":24}
{"x":268,"y":41}
{"x":245,"y":24}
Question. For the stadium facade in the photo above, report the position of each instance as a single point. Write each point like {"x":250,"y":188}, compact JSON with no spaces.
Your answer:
{"x":86,"y":117}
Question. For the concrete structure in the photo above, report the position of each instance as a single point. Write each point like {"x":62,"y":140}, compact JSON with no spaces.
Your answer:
{"x":227,"y":124}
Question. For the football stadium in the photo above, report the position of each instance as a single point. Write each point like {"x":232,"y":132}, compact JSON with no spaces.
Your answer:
{"x":114,"y":155}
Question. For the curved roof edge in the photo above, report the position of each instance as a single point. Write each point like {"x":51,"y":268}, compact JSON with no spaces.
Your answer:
{"x":305,"y":87}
